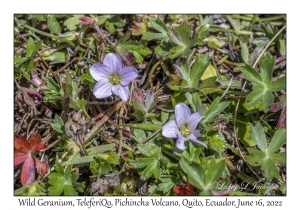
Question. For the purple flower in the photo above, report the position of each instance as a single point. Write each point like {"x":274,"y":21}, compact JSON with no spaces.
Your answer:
{"x":112,"y":77}
{"x":184,"y":127}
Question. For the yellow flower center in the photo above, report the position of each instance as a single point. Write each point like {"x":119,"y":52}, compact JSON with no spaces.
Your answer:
{"x":185,"y":130}
{"x":115,"y":79}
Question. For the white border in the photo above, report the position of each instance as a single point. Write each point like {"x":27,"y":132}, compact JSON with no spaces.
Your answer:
{"x":8,"y":8}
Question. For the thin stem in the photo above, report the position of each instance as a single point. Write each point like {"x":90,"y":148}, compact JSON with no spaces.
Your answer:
{"x":268,"y":45}
{"x":110,"y":111}
{"x":120,"y":130}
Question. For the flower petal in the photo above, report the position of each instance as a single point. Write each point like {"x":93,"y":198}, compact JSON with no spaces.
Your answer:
{"x":42,"y":168}
{"x":170,"y":129}
{"x":113,"y":61}
{"x":28,"y":174}
{"x":102,"y":90}
{"x":182,"y":114}
{"x":180,"y":142}
{"x":100,"y":72}
{"x":197,"y":133}
{"x":21,"y":144}
{"x":128,"y":74}
{"x":121,"y":91}
{"x":194,"y":139}
{"x":194,"y":120}
{"x":19,"y":157}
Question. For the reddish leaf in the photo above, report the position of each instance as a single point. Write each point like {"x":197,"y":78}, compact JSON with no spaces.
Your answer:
{"x":138,"y":96}
{"x":40,"y":147}
{"x":282,"y":118}
{"x":28,"y":175}
{"x":185,"y":189}
{"x":21,"y":144}
{"x":20,"y":157}
{"x":42,"y":168}
{"x":276,"y":107}
{"x":86,"y":21}
{"x":34,"y":140}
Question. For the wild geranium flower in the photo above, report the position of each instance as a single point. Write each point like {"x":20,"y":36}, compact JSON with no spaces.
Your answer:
{"x":184,"y":127}
{"x":24,"y":153}
{"x":112,"y":77}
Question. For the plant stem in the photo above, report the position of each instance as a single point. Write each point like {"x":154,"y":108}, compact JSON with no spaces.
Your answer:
{"x":113,"y":109}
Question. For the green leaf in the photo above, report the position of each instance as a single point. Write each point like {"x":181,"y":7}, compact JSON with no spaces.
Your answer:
{"x":270,"y":169}
{"x":245,"y":52}
{"x":148,"y":171}
{"x":99,"y":167}
{"x":251,"y":74}
{"x":176,"y":51}
{"x":117,"y":21}
{"x":149,"y":36}
{"x":69,"y":190}
{"x":282,"y":47}
{"x":254,"y":97}
{"x":124,"y":38}
{"x":72,"y":22}
{"x":267,"y":101}
{"x":18,"y":59}
{"x":86,"y":78}
{"x":243,"y":131}
{"x":259,"y":136}
{"x":58,"y":124}
{"x":164,"y":116}
{"x":166,"y":185}
{"x":162,"y":49}
{"x":209,"y":72}
{"x":39,"y":17}
{"x":110,"y":27}
{"x":131,"y":45}
{"x":100,"y":149}
{"x":159,"y":25}
{"x":112,"y":157}
{"x":92,"y":152}
{"x":29,"y":47}
{"x":139,"y":135}
{"x":278,"y":139}
{"x":266,"y":66}
{"x":142,"y":162}
{"x":278,"y":158}
{"x":60,"y":56}
{"x":53,"y":24}
{"x":195,"y":173}
{"x":137,"y":57}
{"x":59,"y":168}
{"x":52,"y":84}
{"x":149,"y":150}
{"x":31,"y":189}
{"x":256,"y":157}
{"x":200,"y":65}
{"x":146,"y":126}
{"x":278,"y":85}
{"x":214,"y":170}
{"x":215,"y":108}
{"x":185,"y":72}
